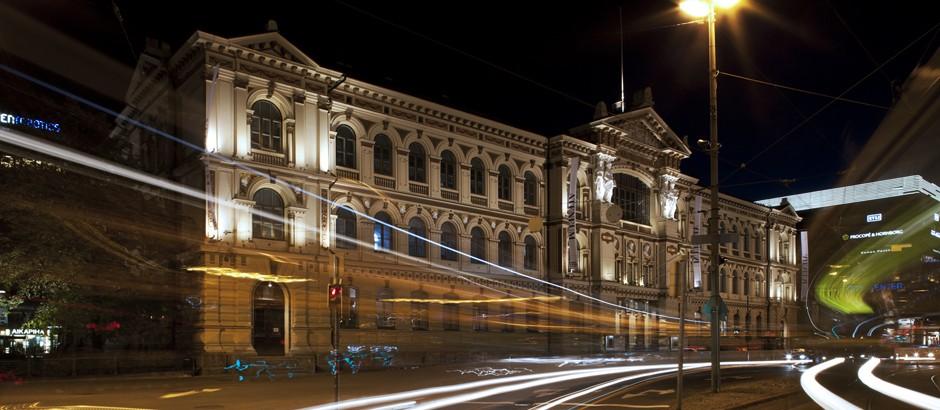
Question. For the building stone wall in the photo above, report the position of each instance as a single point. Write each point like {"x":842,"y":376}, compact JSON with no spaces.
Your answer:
{"x":213,"y":83}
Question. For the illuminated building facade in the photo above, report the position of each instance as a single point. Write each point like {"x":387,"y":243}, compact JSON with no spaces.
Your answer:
{"x":874,"y":254}
{"x":259,"y":284}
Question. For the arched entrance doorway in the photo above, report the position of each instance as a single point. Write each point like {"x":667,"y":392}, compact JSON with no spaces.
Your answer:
{"x":267,"y":331}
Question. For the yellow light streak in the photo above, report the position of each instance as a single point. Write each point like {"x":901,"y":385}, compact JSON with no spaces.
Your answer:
{"x":232,"y":273}
{"x":464,"y":301}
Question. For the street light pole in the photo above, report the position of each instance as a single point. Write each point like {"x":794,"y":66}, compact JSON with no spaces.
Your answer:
{"x":713,"y":181}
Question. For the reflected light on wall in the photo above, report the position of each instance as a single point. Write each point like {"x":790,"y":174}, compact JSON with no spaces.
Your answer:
{"x":233,"y":273}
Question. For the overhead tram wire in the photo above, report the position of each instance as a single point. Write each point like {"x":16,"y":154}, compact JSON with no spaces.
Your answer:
{"x":245,"y":167}
{"x":768,"y":147}
{"x":466,"y":54}
{"x":804,"y":91}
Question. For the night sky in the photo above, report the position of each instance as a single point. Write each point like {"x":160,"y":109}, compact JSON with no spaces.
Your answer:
{"x":458,"y":54}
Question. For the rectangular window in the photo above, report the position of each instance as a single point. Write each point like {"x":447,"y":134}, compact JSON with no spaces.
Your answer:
{"x":480,"y":317}
{"x":451,"y":316}
{"x":419,"y":316}
{"x":384,"y":314}
{"x":349,"y":311}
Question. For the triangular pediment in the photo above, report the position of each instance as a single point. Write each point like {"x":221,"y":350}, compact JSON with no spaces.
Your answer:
{"x":274,"y":44}
{"x":645,"y":126}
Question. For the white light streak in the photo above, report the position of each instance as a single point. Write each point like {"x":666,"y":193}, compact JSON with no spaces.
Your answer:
{"x":592,"y":389}
{"x":824,"y":398}
{"x":914,"y":398}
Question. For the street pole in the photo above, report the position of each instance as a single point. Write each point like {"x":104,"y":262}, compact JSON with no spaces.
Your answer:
{"x":713,"y":180}
{"x":683,"y":266}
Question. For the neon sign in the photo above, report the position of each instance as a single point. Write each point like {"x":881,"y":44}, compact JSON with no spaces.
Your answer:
{"x":873,"y":218}
{"x":872,"y":234}
{"x":11,"y":119}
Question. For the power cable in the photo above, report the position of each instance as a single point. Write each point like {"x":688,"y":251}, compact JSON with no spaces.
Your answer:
{"x":804,"y":91}
{"x":120,"y":19}
{"x":466,"y":54}
{"x":821,"y":109}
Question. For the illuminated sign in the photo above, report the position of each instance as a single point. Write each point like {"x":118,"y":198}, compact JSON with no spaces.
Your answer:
{"x":934,"y":233}
{"x":873,"y":218}
{"x":11,"y":119}
{"x":936,"y":217}
{"x":23,"y":332}
{"x":866,"y":235}
{"x":905,"y":322}
{"x":888,"y":286}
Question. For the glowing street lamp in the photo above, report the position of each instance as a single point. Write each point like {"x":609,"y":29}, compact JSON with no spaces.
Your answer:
{"x":706,"y":8}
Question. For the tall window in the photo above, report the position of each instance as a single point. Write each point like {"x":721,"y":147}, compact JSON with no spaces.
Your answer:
{"x":345,"y":228}
{"x":448,"y":170}
{"x":633,"y":197}
{"x":382,"y":233}
{"x":747,"y":240}
{"x":345,"y":147}
{"x":449,"y":240}
{"x":477,"y":245}
{"x":268,"y":205}
{"x":417,"y":163}
{"x":382,"y":155}
{"x":530,"y":189}
{"x":758,"y":246}
{"x":531,"y":259}
{"x":507,"y":314}
{"x":505,"y":250}
{"x":349,"y":312}
{"x":419,"y":311}
{"x":417,"y":247}
{"x":477,"y":177}
{"x":266,"y":126}
{"x":734,"y":283}
{"x":734,"y":245}
{"x":505,"y":183}
{"x":723,"y":281}
{"x":451,"y":313}
{"x":480,"y":317}
{"x":384,"y":309}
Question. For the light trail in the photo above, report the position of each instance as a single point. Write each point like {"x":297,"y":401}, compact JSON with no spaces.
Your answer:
{"x":294,"y":188}
{"x":394,"y":397}
{"x":824,"y":398}
{"x":914,"y":398}
{"x":663,"y":368}
{"x":592,"y":389}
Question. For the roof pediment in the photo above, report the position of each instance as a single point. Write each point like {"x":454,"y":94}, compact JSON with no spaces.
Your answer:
{"x":273,"y":43}
{"x":643,"y":127}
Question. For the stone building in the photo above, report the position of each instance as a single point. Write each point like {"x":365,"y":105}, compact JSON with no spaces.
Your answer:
{"x":311,"y":170}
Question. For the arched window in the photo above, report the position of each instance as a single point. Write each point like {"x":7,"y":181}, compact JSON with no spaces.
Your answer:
{"x":734,"y":283}
{"x":477,"y":245}
{"x":477,"y":177}
{"x":505,"y":183}
{"x":266,"y":126}
{"x":723,"y":281}
{"x":345,"y":228}
{"x":448,"y":170}
{"x":747,"y":283}
{"x":382,"y":232}
{"x":449,"y":240}
{"x":747,"y":240}
{"x":747,"y":323}
{"x":633,"y":197}
{"x":737,"y":323}
{"x":417,"y":163}
{"x":382,"y":155}
{"x":530,"y":189}
{"x":505,"y":250}
{"x":531,"y":259}
{"x":345,"y":147}
{"x":417,"y":247}
{"x":267,"y":219}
